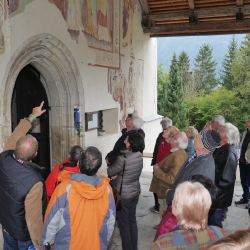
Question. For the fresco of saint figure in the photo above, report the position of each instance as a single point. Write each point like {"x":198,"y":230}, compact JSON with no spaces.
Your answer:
{"x":74,"y":15}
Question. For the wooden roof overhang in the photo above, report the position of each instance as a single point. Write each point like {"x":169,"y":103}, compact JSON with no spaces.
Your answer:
{"x":162,"y":18}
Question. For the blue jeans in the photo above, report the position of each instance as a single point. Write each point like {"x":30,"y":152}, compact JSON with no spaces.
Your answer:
{"x":214,"y":217}
{"x":245,"y":179}
{"x":12,"y":244}
{"x":127,"y":223}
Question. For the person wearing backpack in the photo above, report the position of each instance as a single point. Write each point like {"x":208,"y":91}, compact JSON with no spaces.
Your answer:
{"x":69,"y":164}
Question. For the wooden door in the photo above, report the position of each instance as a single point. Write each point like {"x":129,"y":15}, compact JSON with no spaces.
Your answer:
{"x":28,"y":93}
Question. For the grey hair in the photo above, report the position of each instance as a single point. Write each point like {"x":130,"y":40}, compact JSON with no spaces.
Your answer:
{"x":90,"y":161}
{"x":220,"y":119}
{"x":166,"y":122}
{"x":182,"y":141}
{"x":232,"y":133}
{"x":137,"y":121}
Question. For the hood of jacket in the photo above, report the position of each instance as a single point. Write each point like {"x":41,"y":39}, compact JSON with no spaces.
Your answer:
{"x":89,"y":187}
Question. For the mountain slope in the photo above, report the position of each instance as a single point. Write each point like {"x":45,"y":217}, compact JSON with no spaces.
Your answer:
{"x":191,"y":45}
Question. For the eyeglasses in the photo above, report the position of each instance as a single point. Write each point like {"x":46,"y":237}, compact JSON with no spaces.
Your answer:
{"x":173,"y":137}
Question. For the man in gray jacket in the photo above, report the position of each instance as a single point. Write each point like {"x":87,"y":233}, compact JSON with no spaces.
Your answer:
{"x":225,"y":158}
{"x":205,"y":144}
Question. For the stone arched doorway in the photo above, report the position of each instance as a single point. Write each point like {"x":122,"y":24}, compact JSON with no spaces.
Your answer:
{"x":63,"y":85}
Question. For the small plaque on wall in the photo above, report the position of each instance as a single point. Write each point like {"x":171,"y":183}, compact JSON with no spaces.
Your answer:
{"x":91,"y":121}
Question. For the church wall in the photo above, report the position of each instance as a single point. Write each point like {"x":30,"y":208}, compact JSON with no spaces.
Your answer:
{"x":111,"y":65}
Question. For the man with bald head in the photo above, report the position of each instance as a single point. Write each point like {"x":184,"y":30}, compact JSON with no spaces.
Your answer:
{"x":22,"y":189}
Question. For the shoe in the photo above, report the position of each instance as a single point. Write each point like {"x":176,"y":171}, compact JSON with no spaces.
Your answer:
{"x":152,"y":209}
{"x":155,"y":227}
{"x":241,"y":201}
{"x":248,"y":206}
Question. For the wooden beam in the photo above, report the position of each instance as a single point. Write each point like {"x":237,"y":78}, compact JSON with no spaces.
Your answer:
{"x":177,"y":29}
{"x":239,"y":2}
{"x":191,"y":4}
{"x":215,"y":12}
{"x":144,"y":6}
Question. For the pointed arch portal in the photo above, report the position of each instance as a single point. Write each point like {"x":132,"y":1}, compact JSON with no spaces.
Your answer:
{"x":63,"y":85}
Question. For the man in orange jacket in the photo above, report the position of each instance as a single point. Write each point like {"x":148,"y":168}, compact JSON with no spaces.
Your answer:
{"x":81,"y":212}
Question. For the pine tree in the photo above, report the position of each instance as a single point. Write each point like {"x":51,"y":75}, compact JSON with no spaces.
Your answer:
{"x":241,"y":63}
{"x":226,"y":73}
{"x":162,"y":78}
{"x":205,"y":69}
{"x":190,"y":87}
{"x":184,"y":65}
{"x":172,"y":104}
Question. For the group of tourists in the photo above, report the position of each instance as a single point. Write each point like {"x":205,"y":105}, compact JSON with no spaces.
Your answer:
{"x":193,"y":183}
{"x":73,"y":209}
{"x":193,"y":191}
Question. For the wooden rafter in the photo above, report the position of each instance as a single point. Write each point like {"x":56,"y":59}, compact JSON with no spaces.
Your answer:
{"x":193,"y":17}
{"x":215,"y":12}
{"x":239,"y":2}
{"x":191,"y":4}
{"x":215,"y":27}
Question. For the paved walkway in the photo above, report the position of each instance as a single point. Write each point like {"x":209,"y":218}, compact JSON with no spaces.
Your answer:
{"x":237,"y":217}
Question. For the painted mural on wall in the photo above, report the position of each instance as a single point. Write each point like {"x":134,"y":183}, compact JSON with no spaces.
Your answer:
{"x":126,"y":85}
{"x":127,"y":22}
{"x":98,"y":20}
{"x":2,"y":47}
{"x":17,"y":6}
{"x":127,"y":89}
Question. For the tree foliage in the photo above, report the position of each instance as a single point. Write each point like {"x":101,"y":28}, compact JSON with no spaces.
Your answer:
{"x":203,"y":97}
{"x":241,"y":63}
{"x":190,"y":88}
{"x":220,"y":101}
{"x":225,"y":74}
{"x":172,"y":104}
{"x":162,"y":78}
{"x":204,"y":71}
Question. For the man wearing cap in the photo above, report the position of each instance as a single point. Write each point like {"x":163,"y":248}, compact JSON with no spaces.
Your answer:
{"x":203,"y":163}
{"x":225,"y":158}
{"x":167,"y":169}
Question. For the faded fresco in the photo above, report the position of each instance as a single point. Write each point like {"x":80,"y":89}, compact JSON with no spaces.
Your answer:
{"x":127,"y":22}
{"x":127,"y":89}
{"x":2,"y":47}
{"x":99,"y":21}
{"x":126,"y":86}
{"x":17,"y":6}
{"x":106,"y":25}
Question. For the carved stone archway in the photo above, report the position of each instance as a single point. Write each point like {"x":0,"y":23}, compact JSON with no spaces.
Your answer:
{"x":63,"y":84}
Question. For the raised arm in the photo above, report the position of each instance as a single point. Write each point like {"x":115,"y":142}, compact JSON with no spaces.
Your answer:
{"x":23,"y":127}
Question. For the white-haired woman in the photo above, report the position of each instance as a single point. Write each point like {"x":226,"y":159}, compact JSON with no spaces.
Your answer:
{"x":190,"y":206}
{"x":162,"y":147}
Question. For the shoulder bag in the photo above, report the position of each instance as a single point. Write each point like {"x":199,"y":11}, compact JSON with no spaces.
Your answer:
{"x":118,"y":202}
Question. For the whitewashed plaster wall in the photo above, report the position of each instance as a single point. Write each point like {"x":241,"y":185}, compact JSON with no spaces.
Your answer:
{"x":42,"y":17}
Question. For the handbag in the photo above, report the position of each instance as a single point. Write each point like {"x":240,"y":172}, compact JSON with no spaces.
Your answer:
{"x":117,"y":197}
